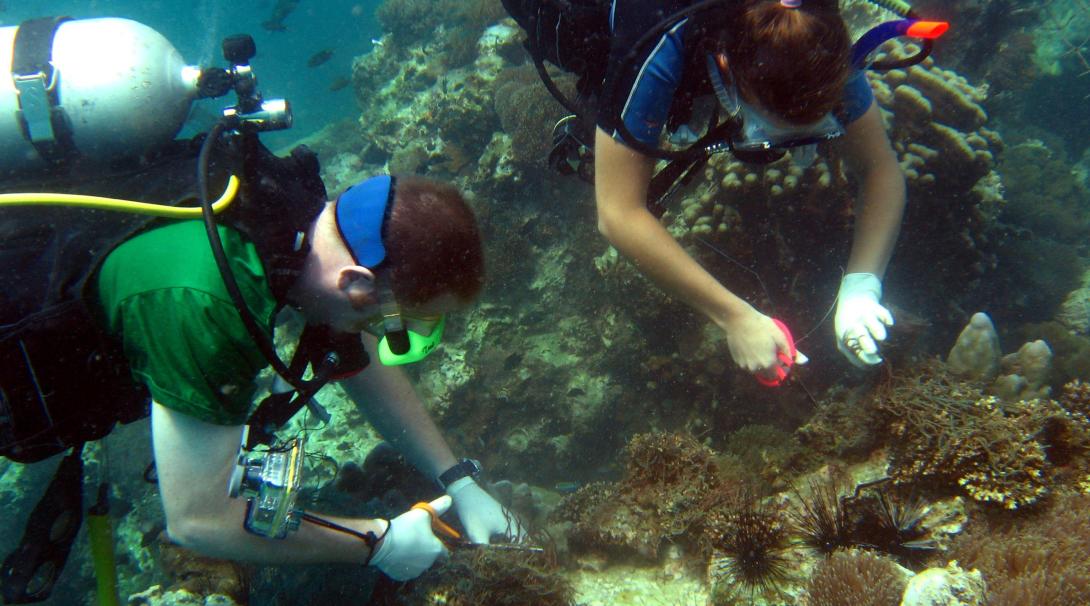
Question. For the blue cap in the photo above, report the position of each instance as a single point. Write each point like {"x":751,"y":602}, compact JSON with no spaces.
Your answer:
{"x":360,"y":214}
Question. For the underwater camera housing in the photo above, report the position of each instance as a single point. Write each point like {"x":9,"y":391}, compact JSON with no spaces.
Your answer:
{"x":269,"y":481}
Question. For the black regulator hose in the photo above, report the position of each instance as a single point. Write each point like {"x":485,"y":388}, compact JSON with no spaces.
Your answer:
{"x":260,"y":336}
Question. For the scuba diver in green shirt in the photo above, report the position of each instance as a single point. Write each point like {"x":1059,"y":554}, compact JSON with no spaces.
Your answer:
{"x":405,"y":240}
{"x":104,"y":310}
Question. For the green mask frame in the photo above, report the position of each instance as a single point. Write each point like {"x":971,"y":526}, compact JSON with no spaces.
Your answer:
{"x":413,"y":345}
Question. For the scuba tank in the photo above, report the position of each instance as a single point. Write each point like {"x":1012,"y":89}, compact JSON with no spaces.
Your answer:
{"x":97,"y":89}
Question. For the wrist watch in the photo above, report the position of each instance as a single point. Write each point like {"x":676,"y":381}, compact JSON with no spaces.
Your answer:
{"x":463,"y":468}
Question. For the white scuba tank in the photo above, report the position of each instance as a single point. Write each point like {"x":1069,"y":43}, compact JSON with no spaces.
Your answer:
{"x":123,"y":87}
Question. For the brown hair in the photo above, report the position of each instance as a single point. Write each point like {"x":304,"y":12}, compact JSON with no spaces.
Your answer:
{"x":433,"y":246}
{"x":793,"y":61}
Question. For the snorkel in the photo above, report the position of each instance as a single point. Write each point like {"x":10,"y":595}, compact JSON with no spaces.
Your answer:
{"x":927,"y":31}
{"x":361,"y":213}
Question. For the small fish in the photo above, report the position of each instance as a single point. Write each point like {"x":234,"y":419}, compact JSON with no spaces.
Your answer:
{"x":280,"y":12}
{"x":339,"y":83}
{"x":320,"y":57}
{"x":566,"y":487}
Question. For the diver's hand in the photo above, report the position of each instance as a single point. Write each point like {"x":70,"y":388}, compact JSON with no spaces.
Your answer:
{"x":481,"y":515}
{"x":755,"y":341}
{"x":409,"y":546}
{"x":861,"y":320}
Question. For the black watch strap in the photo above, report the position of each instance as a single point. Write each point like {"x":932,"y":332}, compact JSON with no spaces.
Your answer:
{"x":462,"y":469}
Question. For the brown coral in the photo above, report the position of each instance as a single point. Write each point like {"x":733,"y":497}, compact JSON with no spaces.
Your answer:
{"x":855,"y":579}
{"x":482,"y":576}
{"x":527,"y":113}
{"x":202,"y":575}
{"x":668,"y":479}
{"x":947,"y":431}
{"x":1039,"y":560}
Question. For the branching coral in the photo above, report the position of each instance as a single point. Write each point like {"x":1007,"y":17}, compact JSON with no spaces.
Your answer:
{"x":668,"y":478}
{"x":949,"y":432}
{"x":1039,"y":560}
{"x":855,"y":579}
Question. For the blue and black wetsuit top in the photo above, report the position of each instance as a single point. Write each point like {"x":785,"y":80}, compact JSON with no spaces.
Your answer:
{"x":657,"y":87}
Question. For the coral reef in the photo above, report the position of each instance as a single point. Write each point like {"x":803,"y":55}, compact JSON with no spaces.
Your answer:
{"x":203,"y":576}
{"x":1037,"y":559}
{"x":1071,"y":352}
{"x":947,"y":432}
{"x":668,"y":480}
{"x":157,"y":596}
{"x":950,"y":585}
{"x":1074,"y":312}
{"x":484,"y":576}
{"x":870,"y":518}
{"x":772,"y":453}
{"x":748,"y":540}
{"x":412,"y":19}
{"x":976,"y":353}
{"x":528,"y":112}
{"x":1025,"y":373}
{"x":855,"y":578}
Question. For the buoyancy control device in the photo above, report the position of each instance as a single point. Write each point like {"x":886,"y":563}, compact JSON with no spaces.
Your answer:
{"x":93,"y":107}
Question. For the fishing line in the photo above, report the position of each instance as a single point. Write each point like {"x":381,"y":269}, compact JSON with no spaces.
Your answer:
{"x":768,"y":296}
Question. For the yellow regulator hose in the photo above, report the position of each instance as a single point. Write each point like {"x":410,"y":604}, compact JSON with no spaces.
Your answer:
{"x":129,"y":206}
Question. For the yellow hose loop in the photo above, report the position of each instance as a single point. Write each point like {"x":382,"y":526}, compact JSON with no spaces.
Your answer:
{"x":128,"y":206}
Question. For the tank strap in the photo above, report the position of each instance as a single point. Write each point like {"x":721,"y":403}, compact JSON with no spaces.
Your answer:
{"x":43,"y":121}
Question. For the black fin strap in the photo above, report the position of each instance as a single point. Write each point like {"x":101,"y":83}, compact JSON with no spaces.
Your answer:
{"x":30,"y":571}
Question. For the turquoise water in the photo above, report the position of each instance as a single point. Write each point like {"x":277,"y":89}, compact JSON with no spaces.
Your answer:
{"x":611,"y":416}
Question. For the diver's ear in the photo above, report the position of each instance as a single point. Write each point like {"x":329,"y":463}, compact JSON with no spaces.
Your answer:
{"x":357,"y":282}
{"x":350,"y":274}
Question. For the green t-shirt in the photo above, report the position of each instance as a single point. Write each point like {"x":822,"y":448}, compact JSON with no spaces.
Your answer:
{"x":162,"y":296}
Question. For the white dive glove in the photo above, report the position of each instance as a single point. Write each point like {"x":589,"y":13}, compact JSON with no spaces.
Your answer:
{"x":861,"y":320}
{"x":409,"y":546}
{"x":481,"y":515}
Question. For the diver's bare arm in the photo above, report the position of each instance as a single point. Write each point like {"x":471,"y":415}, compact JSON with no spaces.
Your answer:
{"x":387,"y":397}
{"x":620,"y":187}
{"x":881,"y":202}
{"x":194,"y":460}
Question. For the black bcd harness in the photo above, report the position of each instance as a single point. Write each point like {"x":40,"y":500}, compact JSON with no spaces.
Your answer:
{"x":63,"y":381}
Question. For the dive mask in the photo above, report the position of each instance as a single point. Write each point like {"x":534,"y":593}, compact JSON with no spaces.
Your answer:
{"x":404,"y":338}
{"x":759,"y":139}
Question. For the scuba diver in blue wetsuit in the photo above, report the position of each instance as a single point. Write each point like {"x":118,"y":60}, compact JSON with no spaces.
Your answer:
{"x":787,"y":77}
